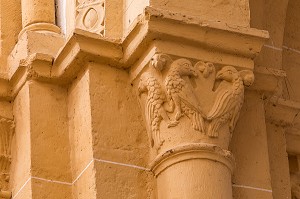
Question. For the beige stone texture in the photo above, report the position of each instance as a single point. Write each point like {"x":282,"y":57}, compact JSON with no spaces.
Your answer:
{"x":11,"y":24}
{"x":21,"y":153}
{"x":114,"y":19}
{"x":133,"y":10}
{"x":53,"y":142}
{"x":153,"y":99}
{"x":26,"y":192}
{"x":34,"y":141}
{"x":49,"y":190}
{"x":249,"y":193}
{"x":290,"y":53}
{"x":116,"y":137}
{"x":279,"y":165}
{"x":79,"y":115}
{"x":70,"y":13}
{"x":37,"y":11}
{"x":85,"y":185}
{"x":29,"y":45}
{"x":80,"y":124}
{"x":291,"y":66}
{"x":252,"y":167}
{"x":231,"y":12}
{"x":118,"y":181}
{"x":202,"y":171}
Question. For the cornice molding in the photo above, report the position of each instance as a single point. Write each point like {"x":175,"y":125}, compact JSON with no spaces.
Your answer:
{"x":152,"y":29}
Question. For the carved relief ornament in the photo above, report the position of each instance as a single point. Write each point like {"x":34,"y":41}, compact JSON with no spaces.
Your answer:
{"x":6,"y":132}
{"x":207,"y":98}
{"x":90,"y":15}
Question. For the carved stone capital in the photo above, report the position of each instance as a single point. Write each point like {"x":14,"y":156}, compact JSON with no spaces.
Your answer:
{"x":187,"y":101}
{"x":6,"y":132}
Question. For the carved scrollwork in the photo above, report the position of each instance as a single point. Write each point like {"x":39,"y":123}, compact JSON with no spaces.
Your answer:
{"x":176,"y":89}
{"x":6,"y":133}
{"x":90,"y":15}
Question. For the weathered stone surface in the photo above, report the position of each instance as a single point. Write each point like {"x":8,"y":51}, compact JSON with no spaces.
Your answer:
{"x":149,"y":99}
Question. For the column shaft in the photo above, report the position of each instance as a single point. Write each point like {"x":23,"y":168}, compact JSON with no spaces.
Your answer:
{"x":194,"y":171}
{"x":39,"y":15}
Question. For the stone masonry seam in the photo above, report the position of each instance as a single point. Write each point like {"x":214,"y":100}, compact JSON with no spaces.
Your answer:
{"x":254,"y":188}
{"x":283,"y":47}
{"x":81,"y":173}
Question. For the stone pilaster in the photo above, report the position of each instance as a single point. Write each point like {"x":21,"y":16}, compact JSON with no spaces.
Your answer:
{"x":40,"y":157}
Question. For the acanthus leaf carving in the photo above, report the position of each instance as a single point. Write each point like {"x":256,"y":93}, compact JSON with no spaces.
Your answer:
{"x":6,"y":133}
{"x":209,"y":98}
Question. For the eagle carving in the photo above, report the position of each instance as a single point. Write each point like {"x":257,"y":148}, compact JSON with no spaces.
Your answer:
{"x":181,"y":95}
{"x":229,"y":100}
{"x":154,"y":110}
{"x":209,"y":98}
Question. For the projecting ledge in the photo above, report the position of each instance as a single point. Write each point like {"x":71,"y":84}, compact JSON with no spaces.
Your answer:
{"x":154,"y":26}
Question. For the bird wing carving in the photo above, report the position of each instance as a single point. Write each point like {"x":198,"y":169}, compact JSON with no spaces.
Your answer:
{"x":188,"y":97}
{"x":222,"y":105}
{"x":236,"y":113}
{"x":149,"y":114}
{"x":184,"y":99}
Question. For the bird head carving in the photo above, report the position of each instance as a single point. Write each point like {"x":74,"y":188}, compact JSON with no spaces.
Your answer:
{"x":142,"y":87}
{"x":227,"y":73}
{"x":205,"y":68}
{"x":184,"y":67}
{"x":247,"y":76}
{"x":160,"y":61}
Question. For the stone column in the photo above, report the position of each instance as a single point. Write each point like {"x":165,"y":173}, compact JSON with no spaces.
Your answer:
{"x":190,"y":110}
{"x":194,"y":171}
{"x":39,"y":15}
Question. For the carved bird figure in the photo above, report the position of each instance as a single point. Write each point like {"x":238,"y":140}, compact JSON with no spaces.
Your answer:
{"x":229,"y":100}
{"x":205,"y":68}
{"x":154,"y":110}
{"x":180,"y":94}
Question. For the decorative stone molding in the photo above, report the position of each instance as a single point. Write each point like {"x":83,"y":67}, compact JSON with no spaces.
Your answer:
{"x":189,"y":152}
{"x":201,"y":99}
{"x":83,"y":47}
{"x":90,"y":16}
{"x":6,"y":133}
{"x":195,"y":166}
